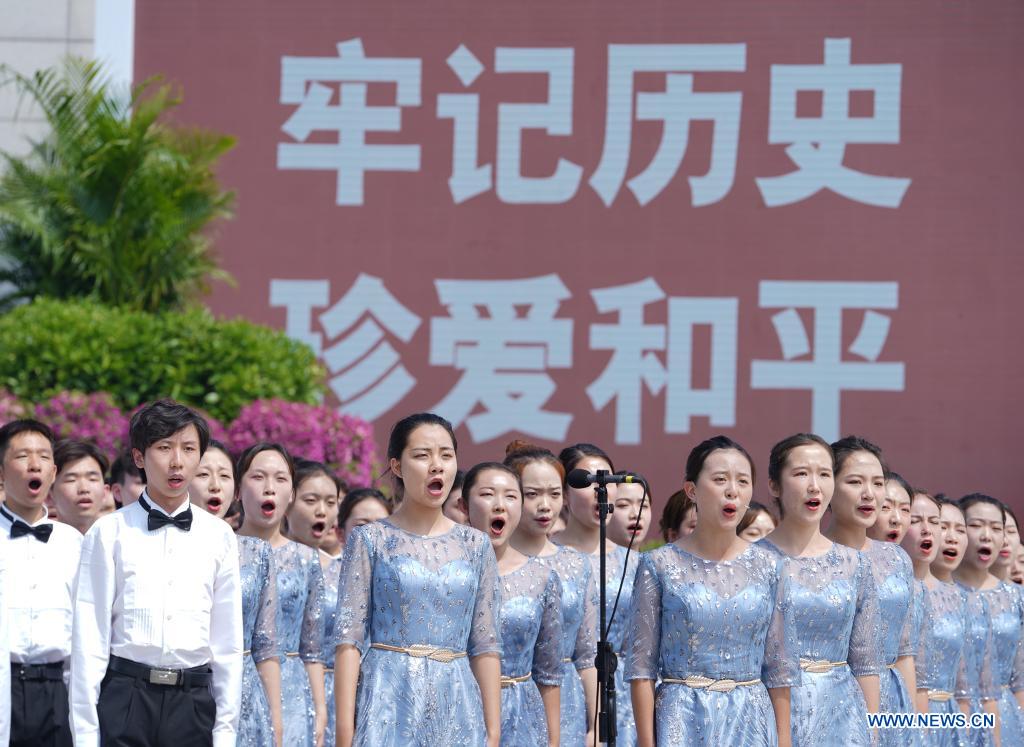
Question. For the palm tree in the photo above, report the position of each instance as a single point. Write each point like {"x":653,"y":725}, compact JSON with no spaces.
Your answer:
{"x":112,"y":204}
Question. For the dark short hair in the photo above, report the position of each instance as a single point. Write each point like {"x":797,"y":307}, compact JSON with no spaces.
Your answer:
{"x":473,"y":475}
{"x":123,"y":467}
{"x":571,"y":456}
{"x":354,"y":497}
{"x":307,"y":468}
{"x":245,"y":461}
{"x":899,"y":479}
{"x":70,"y":450}
{"x":846,"y":447}
{"x":750,"y":516}
{"x":1007,"y":511}
{"x":780,"y":451}
{"x":925,"y":494}
{"x":520,"y":454}
{"x":674,"y":512}
{"x":972,"y":499}
{"x":700,"y":453}
{"x":17,"y":427}
{"x":403,"y":429}
{"x":162,"y":419}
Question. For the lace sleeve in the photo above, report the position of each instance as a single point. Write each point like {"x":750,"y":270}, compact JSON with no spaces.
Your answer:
{"x":966,"y":683}
{"x":781,"y":666}
{"x":484,"y":636}
{"x":547,"y":652}
{"x":1017,"y":673}
{"x":264,"y":632}
{"x":644,"y":623}
{"x":585,"y":653}
{"x":864,"y":655}
{"x":987,"y":685}
{"x":910,"y":632}
{"x":355,"y":592}
{"x":311,"y":640}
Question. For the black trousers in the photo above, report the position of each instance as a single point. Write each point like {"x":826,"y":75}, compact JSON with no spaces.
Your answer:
{"x":39,"y":712}
{"x":136,"y":713}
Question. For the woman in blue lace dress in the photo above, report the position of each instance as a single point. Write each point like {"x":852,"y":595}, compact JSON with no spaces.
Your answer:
{"x":531,"y":611}
{"x":424,"y":592}
{"x":832,"y":598}
{"x":860,"y":499}
{"x":259,"y":722}
{"x":994,"y":661}
{"x":542,"y":477}
{"x":708,"y":619}
{"x":266,"y":488}
{"x":941,"y":646}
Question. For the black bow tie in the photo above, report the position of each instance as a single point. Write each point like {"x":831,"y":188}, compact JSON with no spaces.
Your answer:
{"x":159,"y":519}
{"x":41,"y":532}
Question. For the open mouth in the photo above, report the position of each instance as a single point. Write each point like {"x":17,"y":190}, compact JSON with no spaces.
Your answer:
{"x":497,"y":526}
{"x":267,"y":508}
{"x":926,"y":546}
{"x":893,"y":535}
{"x":318,"y":528}
{"x":813,"y":504}
{"x":175,"y":481}
{"x":634,"y":528}
{"x":436,"y":487}
{"x":951,"y":552}
{"x":35,"y":484}
{"x":985,"y":553}
{"x":213,"y":504}
{"x":729,"y":510}
{"x":866,"y":510}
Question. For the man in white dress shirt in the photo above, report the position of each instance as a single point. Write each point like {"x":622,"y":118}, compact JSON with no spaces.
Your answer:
{"x":157,"y":655}
{"x":41,"y":562}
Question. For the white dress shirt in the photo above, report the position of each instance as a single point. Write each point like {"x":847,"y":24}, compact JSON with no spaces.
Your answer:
{"x":164,"y":598}
{"x":40,"y":588}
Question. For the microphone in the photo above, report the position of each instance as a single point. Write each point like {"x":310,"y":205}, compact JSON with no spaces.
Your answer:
{"x":580,"y":478}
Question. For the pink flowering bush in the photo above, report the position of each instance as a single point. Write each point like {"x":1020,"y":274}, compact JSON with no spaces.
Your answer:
{"x":316,"y":432}
{"x":89,"y":417}
{"x":12,"y":408}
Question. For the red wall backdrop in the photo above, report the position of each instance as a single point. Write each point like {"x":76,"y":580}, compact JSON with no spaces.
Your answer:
{"x":919,"y":351}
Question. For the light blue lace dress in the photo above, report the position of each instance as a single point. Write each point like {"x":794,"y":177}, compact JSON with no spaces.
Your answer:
{"x":835,"y":605}
{"x":939,"y":654}
{"x":579,"y":638}
{"x":894,"y":579}
{"x":402,"y":589}
{"x":723,"y":621}
{"x":259,"y":630}
{"x":332,"y":574}
{"x":974,"y":679}
{"x":1006,"y":613}
{"x":300,"y":626}
{"x":618,"y":635}
{"x":531,"y":642}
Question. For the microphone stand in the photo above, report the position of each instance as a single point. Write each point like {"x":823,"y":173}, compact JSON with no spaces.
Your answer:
{"x":605,"y":661}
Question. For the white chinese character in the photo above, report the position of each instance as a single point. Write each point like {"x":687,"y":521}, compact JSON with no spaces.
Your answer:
{"x":677,"y":106}
{"x":368,"y":376}
{"x":818,"y":144}
{"x":504,"y":355}
{"x":554,"y":117}
{"x":467,"y":179}
{"x":633,"y":364}
{"x":826,"y":375}
{"x":351,"y":156}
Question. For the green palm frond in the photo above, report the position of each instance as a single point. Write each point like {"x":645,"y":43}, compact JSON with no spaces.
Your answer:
{"x":113,"y":204}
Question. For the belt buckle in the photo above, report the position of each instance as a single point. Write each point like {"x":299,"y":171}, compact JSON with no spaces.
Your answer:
{"x":163,"y":677}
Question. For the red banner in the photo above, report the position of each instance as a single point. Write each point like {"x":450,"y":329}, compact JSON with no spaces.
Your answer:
{"x":636,"y":225}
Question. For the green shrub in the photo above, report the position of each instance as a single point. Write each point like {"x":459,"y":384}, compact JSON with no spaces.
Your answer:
{"x":53,"y":346}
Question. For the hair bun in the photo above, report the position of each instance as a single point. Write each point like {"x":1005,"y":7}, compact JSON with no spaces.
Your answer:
{"x":519,"y":446}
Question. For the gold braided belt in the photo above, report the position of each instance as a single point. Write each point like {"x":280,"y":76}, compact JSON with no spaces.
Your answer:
{"x":698,"y":682}
{"x":423,"y":651}
{"x":511,"y":681}
{"x":940,"y":696}
{"x":819,"y":666}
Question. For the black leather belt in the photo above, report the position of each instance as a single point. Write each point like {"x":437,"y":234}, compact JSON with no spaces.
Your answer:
{"x":194,"y":677}
{"x":37,"y":672}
